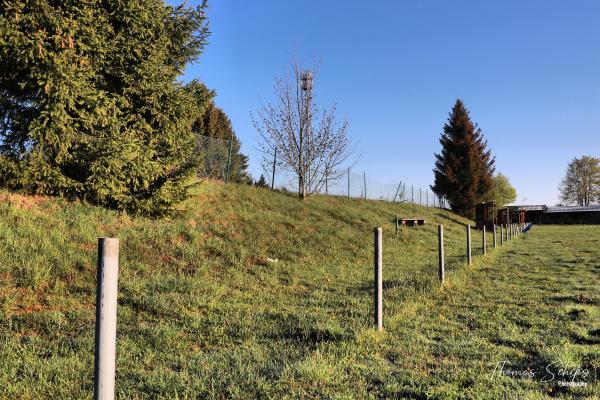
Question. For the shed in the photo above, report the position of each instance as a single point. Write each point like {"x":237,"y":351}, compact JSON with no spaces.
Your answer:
{"x":485,"y":214}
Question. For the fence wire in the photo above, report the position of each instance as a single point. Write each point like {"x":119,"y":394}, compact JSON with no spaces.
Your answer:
{"x":360,"y":185}
{"x":215,"y":155}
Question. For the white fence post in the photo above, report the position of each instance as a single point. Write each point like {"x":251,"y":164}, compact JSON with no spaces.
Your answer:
{"x":441,"y":270}
{"x":483,"y":245}
{"x":469,"y":259}
{"x":107,"y":275}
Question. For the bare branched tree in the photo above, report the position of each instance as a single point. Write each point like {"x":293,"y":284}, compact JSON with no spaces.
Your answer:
{"x":311,"y":143}
{"x":581,"y":184}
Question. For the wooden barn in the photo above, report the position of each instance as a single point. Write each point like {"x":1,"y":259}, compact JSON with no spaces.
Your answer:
{"x":568,"y":215}
{"x":542,"y":214}
{"x":514,"y":214}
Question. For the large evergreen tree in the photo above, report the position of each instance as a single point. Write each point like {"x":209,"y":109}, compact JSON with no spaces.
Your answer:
{"x":464,"y":168}
{"x":90,"y":106}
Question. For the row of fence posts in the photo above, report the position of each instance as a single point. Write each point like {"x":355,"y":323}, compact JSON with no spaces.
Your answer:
{"x":107,"y":276}
{"x":510,"y":230}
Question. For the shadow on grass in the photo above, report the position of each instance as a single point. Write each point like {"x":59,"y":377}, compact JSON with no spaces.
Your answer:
{"x":306,"y":332}
{"x":580,"y":299}
{"x":456,"y":221}
{"x":410,"y":285}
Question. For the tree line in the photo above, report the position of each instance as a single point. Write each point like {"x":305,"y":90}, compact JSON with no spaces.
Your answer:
{"x":91,"y":108}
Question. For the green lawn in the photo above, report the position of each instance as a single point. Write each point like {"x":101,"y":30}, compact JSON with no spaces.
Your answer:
{"x":203,"y":314}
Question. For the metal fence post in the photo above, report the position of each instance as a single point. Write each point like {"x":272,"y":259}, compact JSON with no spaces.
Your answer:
{"x":107,"y":275}
{"x":483,"y":245}
{"x":229,"y":161}
{"x":501,"y":234}
{"x":274,"y":163}
{"x":396,"y":225}
{"x":441,"y":272}
{"x":412,"y":194}
{"x":378,"y":295}
{"x":365,"y":182}
{"x":495,"y":236}
{"x":469,"y":259}
{"x":348,"y":182}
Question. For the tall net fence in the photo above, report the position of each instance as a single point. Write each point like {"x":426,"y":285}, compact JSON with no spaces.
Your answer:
{"x":348,"y":183}
{"x":215,"y":155}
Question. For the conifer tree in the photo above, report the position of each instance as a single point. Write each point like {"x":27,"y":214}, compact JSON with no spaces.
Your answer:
{"x":464,"y":168}
{"x":90,"y":105}
{"x":261,"y":182}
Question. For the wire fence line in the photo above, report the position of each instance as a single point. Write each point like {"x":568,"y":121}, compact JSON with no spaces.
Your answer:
{"x":215,"y":155}
{"x":360,"y":185}
{"x":216,"y":164}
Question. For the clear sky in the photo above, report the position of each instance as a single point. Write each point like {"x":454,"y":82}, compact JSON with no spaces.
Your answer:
{"x":529,"y":71}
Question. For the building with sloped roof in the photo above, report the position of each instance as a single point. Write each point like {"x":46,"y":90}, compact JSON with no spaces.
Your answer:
{"x":542,"y":214}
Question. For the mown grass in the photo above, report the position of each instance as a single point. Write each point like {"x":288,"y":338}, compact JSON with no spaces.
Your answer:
{"x":204,"y":314}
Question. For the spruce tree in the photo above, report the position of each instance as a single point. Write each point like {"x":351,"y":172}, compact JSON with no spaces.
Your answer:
{"x":464,"y":168}
{"x":261,"y":182}
{"x":90,"y":105}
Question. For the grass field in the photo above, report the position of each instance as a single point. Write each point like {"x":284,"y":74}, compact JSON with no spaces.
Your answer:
{"x":204,"y":314}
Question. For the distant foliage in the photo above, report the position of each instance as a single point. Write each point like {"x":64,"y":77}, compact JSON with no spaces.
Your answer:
{"x":464,"y":169}
{"x":501,"y":191}
{"x":90,"y":106}
{"x":261,"y":182}
{"x":581,"y":184}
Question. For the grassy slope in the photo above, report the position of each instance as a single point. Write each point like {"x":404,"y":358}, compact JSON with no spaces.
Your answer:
{"x":201,"y":315}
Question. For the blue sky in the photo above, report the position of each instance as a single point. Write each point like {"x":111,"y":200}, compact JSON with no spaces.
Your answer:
{"x":529,"y":71}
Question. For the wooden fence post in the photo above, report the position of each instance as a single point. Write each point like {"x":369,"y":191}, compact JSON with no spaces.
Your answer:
{"x":441,"y":272}
{"x":107,"y":275}
{"x":378,"y":295}
{"x":501,"y":234}
{"x":494,"y":235}
{"x":396,"y":225}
